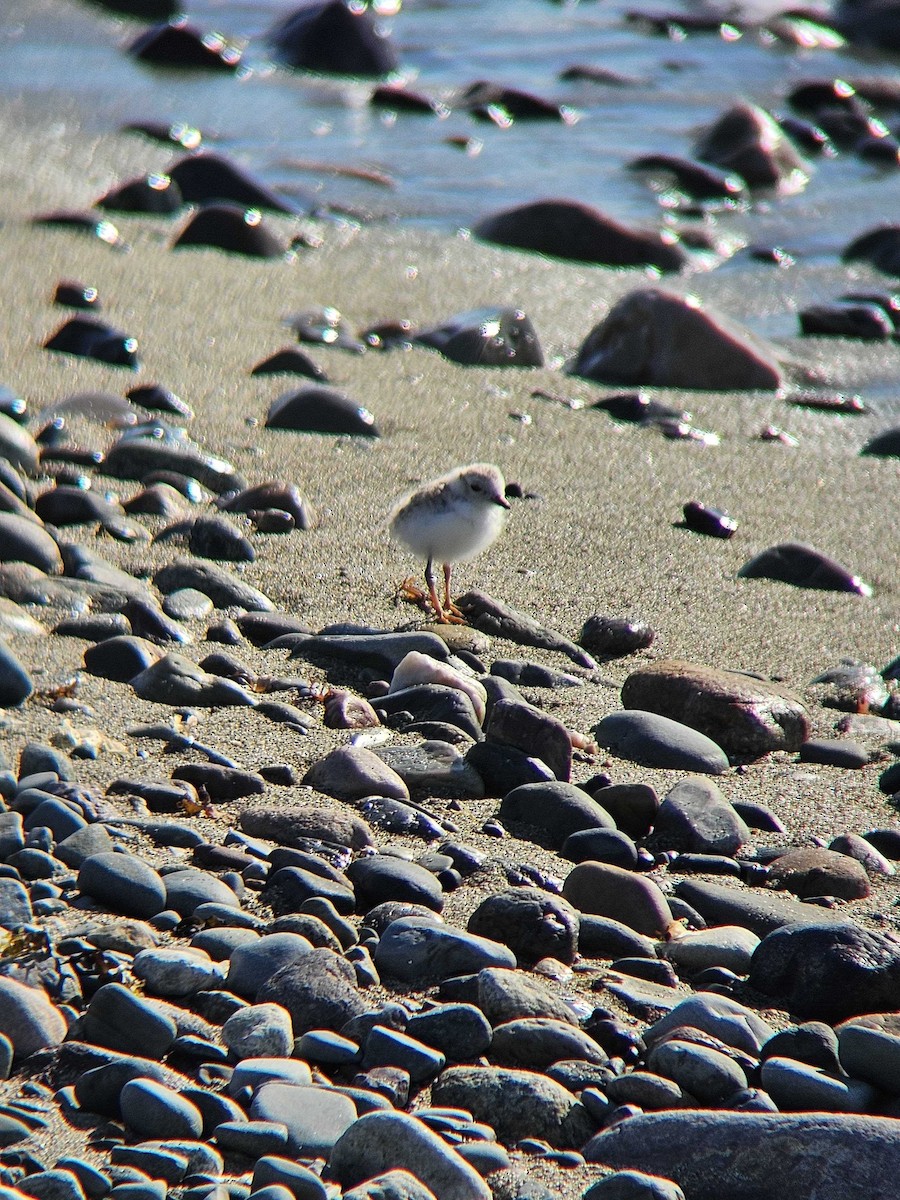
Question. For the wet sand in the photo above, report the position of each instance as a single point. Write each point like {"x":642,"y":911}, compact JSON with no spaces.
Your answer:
{"x":597,"y":533}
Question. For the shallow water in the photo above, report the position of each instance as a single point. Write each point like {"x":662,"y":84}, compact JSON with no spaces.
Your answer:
{"x":289,"y":126}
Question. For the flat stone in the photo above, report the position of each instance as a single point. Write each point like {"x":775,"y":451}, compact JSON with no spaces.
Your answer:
{"x":755,"y":909}
{"x":658,"y":741}
{"x":381,"y":877}
{"x":391,"y":1185}
{"x":315,"y":1117}
{"x":727,"y":946}
{"x":633,"y":1185}
{"x":799,"y":1087}
{"x":536,"y":1043}
{"x":720,"y":1017}
{"x":118,"y":1018}
{"x":176,"y":680}
{"x":293,"y":824}
{"x":698,"y":1070}
{"x":505,"y":995}
{"x":352,"y":773}
{"x":260,"y":1031}
{"x":460,"y":1032}
{"x":747,"y":717}
{"x":535,"y":732}
{"x":176,"y":971}
{"x":276,"y":1178}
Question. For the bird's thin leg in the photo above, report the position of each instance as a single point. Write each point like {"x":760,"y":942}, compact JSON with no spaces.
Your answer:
{"x":449,"y":607}
{"x":432,"y":589}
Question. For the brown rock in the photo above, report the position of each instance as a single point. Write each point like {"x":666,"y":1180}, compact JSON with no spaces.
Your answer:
{"x":745,"y":139}
{"x":813,"y":872}
{"x":747,"y":717}
{"x":289,"y":825}
{"x":659,"y":339}
{"x":609,"y":891}
{"x":353,"y":772}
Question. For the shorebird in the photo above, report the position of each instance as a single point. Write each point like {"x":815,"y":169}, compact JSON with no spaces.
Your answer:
{"x":451,"y":519}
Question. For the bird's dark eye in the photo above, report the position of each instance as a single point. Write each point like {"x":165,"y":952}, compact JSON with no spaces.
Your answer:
{"x":476,"y":487}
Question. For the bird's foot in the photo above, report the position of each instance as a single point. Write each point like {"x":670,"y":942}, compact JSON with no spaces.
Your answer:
{"x":409,"y":592}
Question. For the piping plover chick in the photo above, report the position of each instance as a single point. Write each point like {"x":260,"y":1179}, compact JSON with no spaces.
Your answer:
{"x":451,"y":519}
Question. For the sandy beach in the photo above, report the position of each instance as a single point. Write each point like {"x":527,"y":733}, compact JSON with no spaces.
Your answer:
{"x":596,"y":533}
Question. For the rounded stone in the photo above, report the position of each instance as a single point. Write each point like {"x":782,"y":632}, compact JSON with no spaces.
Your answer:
{"x":608,"y":891}
{"x":533,"y":923}
{"x":124,"y":883}
{"x":153,"y":1110}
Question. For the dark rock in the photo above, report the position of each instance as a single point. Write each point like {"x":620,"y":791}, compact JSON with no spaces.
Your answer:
{"x":418,"y":949}
{"x":123,"y":882}
{"x":16,"y":684}
{"x":206,"y":178}
{"x":813,"y":872}
{"x":884,"y":445}
{"x":156,"y":194}
{"x":835,"y":752}
{"x":696,"y":816}
{"x":609,"y":891}
{"x":290,"y":361}
{"x":381,"y":878}
{"x":533,"y":923}
{"x":496,"y":619}
{"x":232,"y":228}
{"x":745,"y":716}
{"x":86,"y":337}
{"x":711,"y":1154}
{"x":803,"y":566}
{"x":755,"y":909}
{"x":516,"y":1103}
{"x":711,"y":521}
{"x":613,"y":637}
{"x":396,"y":1142}
{"x":318,"y":409}
{"x":318,"y":990}
{"x":556,"y":808}
{"x":431,"y":702}
{"x":601,"y":845}
{"x":133,"y":457}
{"x":223,"y":588}
{"x":25,"y":540}
{"x":632,"y":806}
{"x":657,"y":338}
{"x":331,"y":38}
{"x":570,"y":230}
{"x":487,"y":337}
{"x":537,"y":1042}
{"x":180,"y":44}
{"x":866,"y":322}
{"x":659,"y":741}
{"x":748,"y":141}
{"x":534,"y":732}
{"x":828,"y":972}
{"x":879,"y":247}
